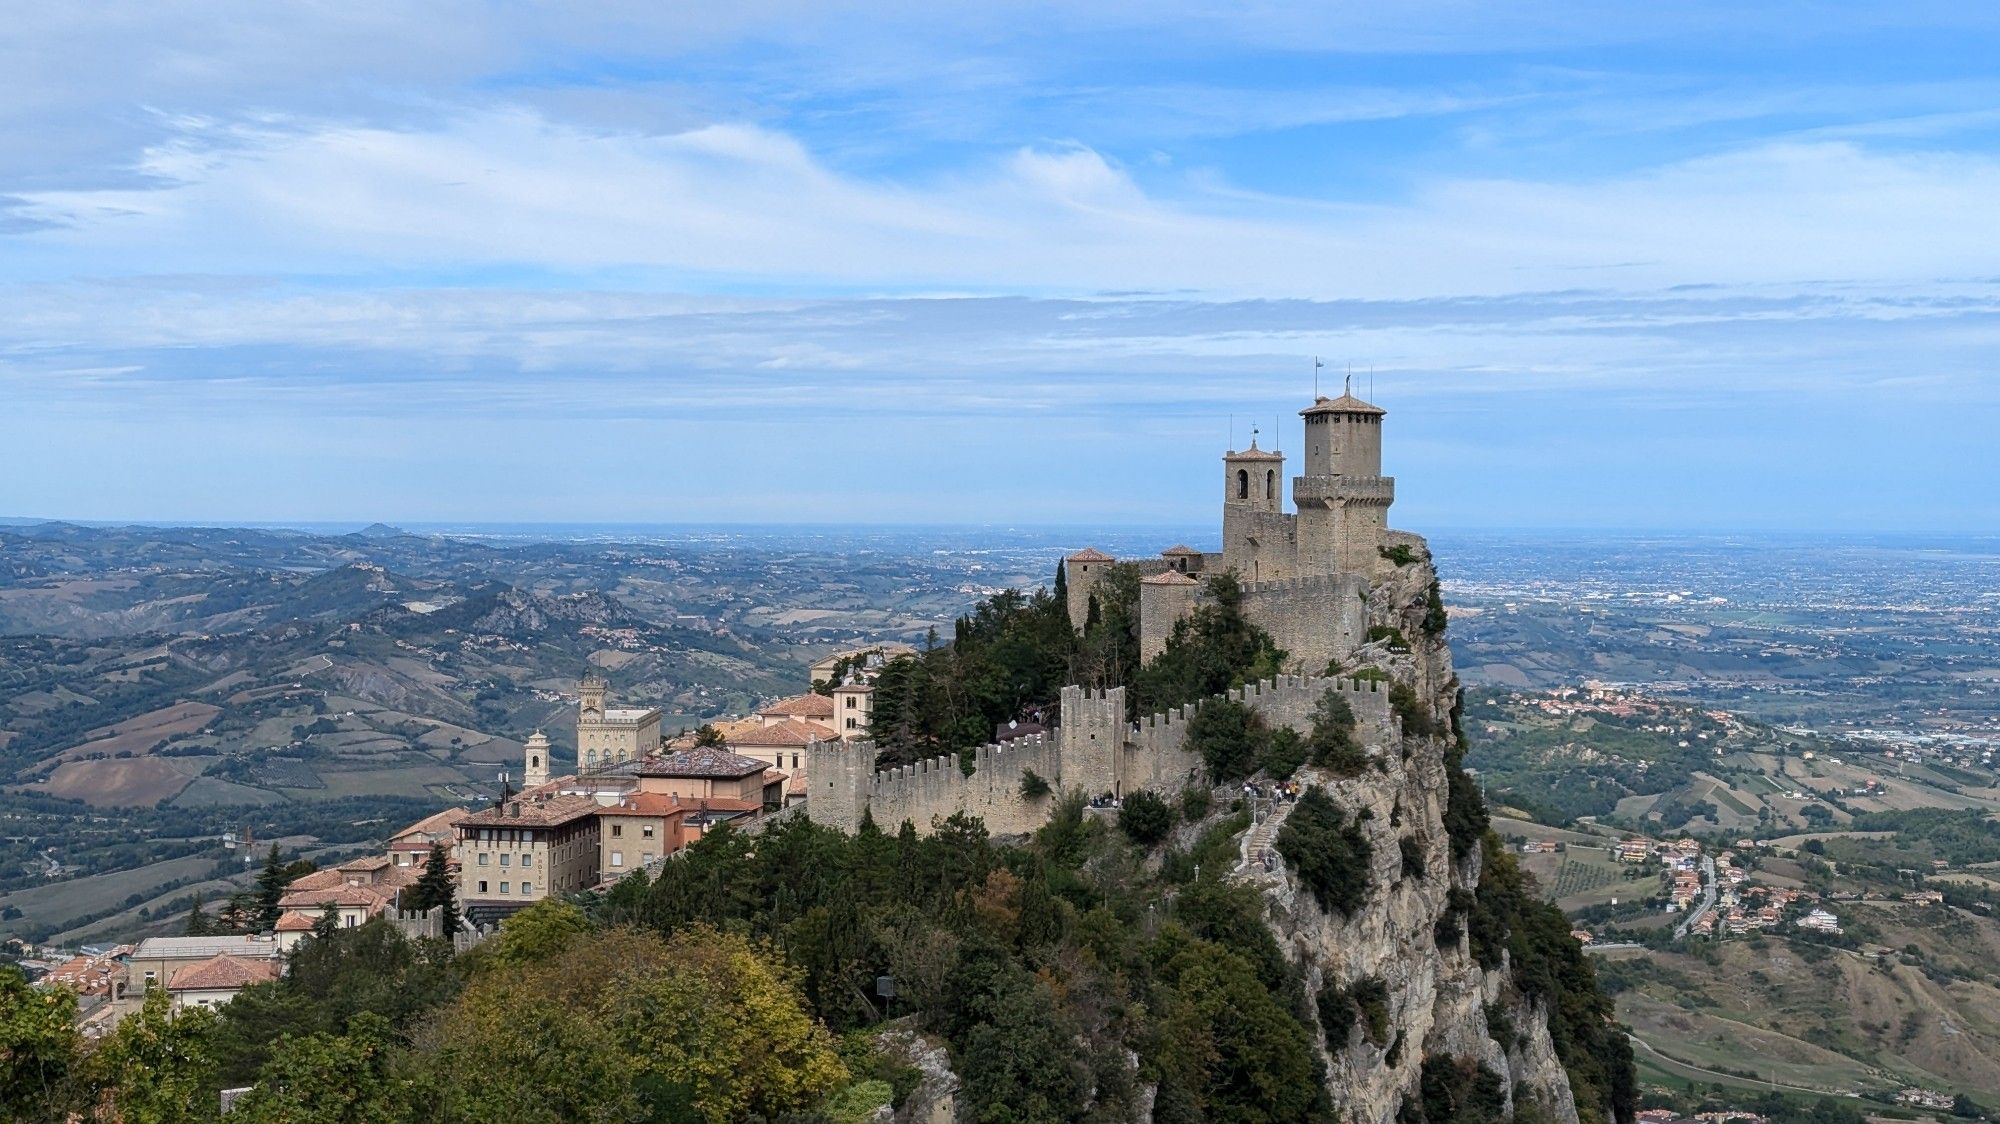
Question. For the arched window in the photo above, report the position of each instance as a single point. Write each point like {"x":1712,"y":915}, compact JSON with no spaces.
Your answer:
{"x":1242,"y":484}
{"x":1270,"y":483}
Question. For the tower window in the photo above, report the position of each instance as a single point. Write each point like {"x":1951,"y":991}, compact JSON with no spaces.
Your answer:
{"x":1270,"y":484}
{"x":1242,"y":484}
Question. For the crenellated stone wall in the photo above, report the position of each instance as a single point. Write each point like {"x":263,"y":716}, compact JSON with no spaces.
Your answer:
{"x":1095,"y":751}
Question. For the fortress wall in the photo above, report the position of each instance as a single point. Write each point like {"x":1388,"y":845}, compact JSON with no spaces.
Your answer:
{"x":1158,"y":757}
{"x":1314,"y":619}
{"x":1096,"y":751}
{"x":1258,"y":545}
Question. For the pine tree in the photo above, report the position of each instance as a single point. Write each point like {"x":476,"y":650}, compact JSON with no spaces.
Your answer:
{"x":434,"y":888}
{"x":1061,"y":591}
{"x":270,"y":888}
{"x":198,"y":924}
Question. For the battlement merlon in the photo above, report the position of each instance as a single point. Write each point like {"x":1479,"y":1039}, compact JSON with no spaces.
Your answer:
{"x":1328,"y":490}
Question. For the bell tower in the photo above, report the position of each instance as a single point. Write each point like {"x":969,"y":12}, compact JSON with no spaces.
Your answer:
{"x":1254,"y":536}
{"x":535,"y":761}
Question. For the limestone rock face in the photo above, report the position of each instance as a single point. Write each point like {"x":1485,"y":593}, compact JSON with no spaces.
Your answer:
{"x":1438,"y":997}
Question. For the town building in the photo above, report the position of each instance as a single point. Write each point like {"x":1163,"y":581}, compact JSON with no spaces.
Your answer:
{"x":527,"y":849}
{"x":218,"y":980}
{"x":156,"y":959}
{"x":609,"y":735}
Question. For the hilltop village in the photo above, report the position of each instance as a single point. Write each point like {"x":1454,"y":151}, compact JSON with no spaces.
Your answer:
{"x":1285,"y":721}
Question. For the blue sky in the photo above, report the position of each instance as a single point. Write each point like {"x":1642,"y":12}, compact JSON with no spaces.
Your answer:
{"x":1707,"y":265}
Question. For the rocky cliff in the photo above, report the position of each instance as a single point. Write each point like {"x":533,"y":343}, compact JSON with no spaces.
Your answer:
{"x":1412,"y":949}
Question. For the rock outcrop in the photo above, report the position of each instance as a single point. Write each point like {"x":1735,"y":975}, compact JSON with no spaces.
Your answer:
{"x":1407,"y":945}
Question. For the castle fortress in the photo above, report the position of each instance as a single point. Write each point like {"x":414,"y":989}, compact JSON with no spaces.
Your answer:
{"x":1303,"y":574}
{"x":1305,"y":578}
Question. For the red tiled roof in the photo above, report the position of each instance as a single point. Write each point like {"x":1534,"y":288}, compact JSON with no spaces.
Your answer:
{"x":328,"y":879}
{"x":437,"y":823}
{"x":1169,"y":577}
{"x":367,"y":897}
{"x":222,"y":972}
{"x":789,"y":732}
{"x":702,"y":761}
{"x":809,"y":705}
{"x":293,"y":921}
{"x":538,"y":811}
{"x":1180,"y":550}
{"x":1345,"y":404}
{"x":647,"y":804}
{"x":1089,"y":554}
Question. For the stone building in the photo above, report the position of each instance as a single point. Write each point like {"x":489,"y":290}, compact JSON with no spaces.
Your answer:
{"x":608,"y":735}
{"x":529,"y":848}
{"x":1303,"y":573}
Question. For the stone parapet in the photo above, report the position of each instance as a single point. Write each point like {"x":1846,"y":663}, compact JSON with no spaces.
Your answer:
{"x":1373,"y":490}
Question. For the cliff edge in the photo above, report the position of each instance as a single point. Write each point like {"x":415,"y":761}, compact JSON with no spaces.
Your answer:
{"x":1421,"y":999}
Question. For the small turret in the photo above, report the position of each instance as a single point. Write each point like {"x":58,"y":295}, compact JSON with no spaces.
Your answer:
{"x":535,"y":761}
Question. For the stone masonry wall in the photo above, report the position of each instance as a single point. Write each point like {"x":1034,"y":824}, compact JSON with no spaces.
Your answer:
{"x":1095,"y":751}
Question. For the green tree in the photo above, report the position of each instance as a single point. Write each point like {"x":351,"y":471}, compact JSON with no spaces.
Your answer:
{"x":1333,"y":744}
{"x":538,"y":932}
{"x":157,"y":1067}
{"x":707,"y":735}
{"x":1233,"y":1051}
{"x":1145,"y":818}
{"x":330,"y":981}
{"x":271,"y":883}
{"x":333,"y":1079}
{"x":1328,"y":851}
{"x":435,"y":887}
{"x":1210,"y":651}
{"x":198,"y":922}
{"x":1284,"y":752}
{"x":1229,"y":738}
{"x":39,"y":1048}
{"x":703,"y":1027}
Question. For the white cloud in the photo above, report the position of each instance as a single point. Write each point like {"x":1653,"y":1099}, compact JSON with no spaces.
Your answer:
{"x":722,"y":205}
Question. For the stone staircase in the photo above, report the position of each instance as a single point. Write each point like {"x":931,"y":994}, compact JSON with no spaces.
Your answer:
{"x":1260,"y":856}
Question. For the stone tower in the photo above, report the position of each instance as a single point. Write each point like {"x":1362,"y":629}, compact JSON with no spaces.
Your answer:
{"x":1093,"y":740}
{"x":1343,"y":498}
{"x":535,"y":761}
{"x":1083,"y":570}
{"x":592,"y":687}
{"x":1164,"y":598}
{"x":1256,"y":536}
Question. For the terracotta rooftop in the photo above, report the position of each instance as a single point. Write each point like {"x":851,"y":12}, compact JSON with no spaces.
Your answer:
{"x":364,"y":897}
{"x":1089,"y":554}
{"x":293,"y":921}
{"x":647,"y":804}
{"x":328,"y":879}
{"x":1345,"y":404}
{"x":438,"y":824}
{"x":1170,"y":577}
{"x":809,"y":705}
{"x":703,"y":761}
{"x":541,"y":811}
{"x":222,"y":972}
{"x":789,"y":732}
{"x":1180,"y":550}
